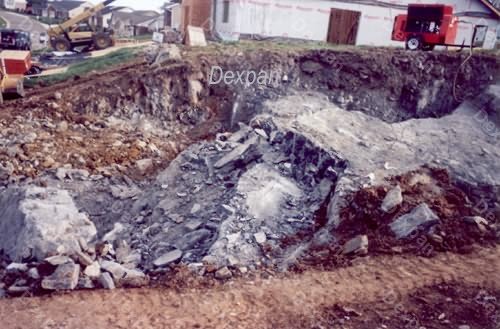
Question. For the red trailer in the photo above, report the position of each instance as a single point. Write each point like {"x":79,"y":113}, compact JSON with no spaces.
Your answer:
{"x":427,"y":26}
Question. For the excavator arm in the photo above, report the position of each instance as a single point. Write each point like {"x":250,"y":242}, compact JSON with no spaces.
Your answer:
{"x":63,"y":27}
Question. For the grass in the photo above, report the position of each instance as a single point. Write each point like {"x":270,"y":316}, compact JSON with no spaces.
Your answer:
{"x":93,"y":64}
{"x":3,"y":23}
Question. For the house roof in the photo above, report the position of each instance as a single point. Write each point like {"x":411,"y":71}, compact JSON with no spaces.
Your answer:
{"x":110,"y":9}
{"x":66,"y":5}
{"x":148,"y":13}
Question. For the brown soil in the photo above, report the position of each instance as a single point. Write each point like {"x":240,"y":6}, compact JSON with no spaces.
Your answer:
{"x":363,"y":216}
{"x":383,"y":289}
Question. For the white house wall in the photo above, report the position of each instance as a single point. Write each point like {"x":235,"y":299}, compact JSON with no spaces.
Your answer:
{"x":176,"y":17}
{"x":310,"y":19}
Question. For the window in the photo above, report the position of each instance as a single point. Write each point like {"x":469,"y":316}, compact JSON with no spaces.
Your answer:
{"x":225,"y":15}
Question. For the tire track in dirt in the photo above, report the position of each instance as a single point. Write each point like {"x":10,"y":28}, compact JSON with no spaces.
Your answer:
{"x":250,"y":304}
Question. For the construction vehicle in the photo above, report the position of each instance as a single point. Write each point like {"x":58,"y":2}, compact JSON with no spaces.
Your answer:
{"x":10,"y":84}
{"x":426,"y":26}
{"x":77,"y":32}
{"x":15,"y":39}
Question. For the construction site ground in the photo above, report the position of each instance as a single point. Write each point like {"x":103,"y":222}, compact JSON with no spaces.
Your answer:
{"x":263,"y":188}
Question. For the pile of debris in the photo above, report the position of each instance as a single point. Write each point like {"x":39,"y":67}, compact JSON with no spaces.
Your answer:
{"x":52,"y":246}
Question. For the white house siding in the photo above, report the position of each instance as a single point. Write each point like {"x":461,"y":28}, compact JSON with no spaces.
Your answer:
{"x":310,"y":19}
{"x":176,"y":17}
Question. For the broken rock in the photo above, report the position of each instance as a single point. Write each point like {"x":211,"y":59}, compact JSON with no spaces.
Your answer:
{"x":477,"y":221}
{"x":64,"y":278}
{"x":107,"y":281}
{"x":223,"y":274}
{"x":357,"y":246}
{"x":393,"y":199}
{"x":168,"y":258}
{"x":115,"y":269}
{"x":420,"y":218}
{"x":134,"y":279}
{"x":93,"y":271}
{"x":17,"y":267}
{"x":38,"y":222}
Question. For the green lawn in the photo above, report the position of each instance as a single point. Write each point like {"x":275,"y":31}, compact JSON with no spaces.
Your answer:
{"x":93,"y":64}
{"x":2,"y":22}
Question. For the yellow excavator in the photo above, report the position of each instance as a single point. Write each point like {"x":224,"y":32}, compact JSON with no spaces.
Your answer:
{"x":10,"y":84}
{"x":77,"y":32}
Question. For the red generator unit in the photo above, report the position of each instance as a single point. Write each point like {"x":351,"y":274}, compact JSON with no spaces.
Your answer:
{"x":17,"y":62}
{"x":426,"y":26}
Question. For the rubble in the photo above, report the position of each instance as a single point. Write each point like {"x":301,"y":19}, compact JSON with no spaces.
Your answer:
{"x":93,"y":271}
{"x":393,"y":199}
{"x":39,"y":222}
{"x":223,"y":274}
{"x":106,"y":281}
{"x":358,"y":246}
{"x":420,"y":218}
{"x":146,"y":185}
{"x":168,"y":258}
{"x":64,"y":278}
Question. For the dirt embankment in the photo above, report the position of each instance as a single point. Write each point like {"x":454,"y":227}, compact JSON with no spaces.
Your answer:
{"x":177,"y":99}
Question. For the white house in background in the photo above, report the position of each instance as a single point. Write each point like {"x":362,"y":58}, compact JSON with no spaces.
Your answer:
{"x":311,"y":19}
{"x":154,"y":24}
{"x":65,"y":9}
{"x":172,"y":16}
{"x":103,"y":18}
{"x":128,"y":24}
{"x":19,"y":5}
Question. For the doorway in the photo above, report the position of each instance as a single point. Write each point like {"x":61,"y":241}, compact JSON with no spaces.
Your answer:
{"x":343,"y":28}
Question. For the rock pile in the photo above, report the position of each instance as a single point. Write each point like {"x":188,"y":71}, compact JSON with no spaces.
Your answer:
{"x":48,"y":244}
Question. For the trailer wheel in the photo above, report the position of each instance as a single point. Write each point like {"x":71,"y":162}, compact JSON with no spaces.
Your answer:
{"x":102,"y":41}
{"x":413,"y":43}
{"x":61,"y":44}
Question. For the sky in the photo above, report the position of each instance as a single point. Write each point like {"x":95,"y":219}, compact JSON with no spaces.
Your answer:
{"x":138,"y":4}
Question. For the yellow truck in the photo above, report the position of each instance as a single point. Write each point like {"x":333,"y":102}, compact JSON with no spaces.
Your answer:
{"x":77,"y":32}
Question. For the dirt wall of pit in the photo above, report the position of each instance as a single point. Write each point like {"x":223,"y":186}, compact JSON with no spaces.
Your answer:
{"x":394,"y":85}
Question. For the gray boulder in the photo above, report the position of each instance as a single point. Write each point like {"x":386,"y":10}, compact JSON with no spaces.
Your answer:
{"x":41,"y":222}
{"x":420,"y":218}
